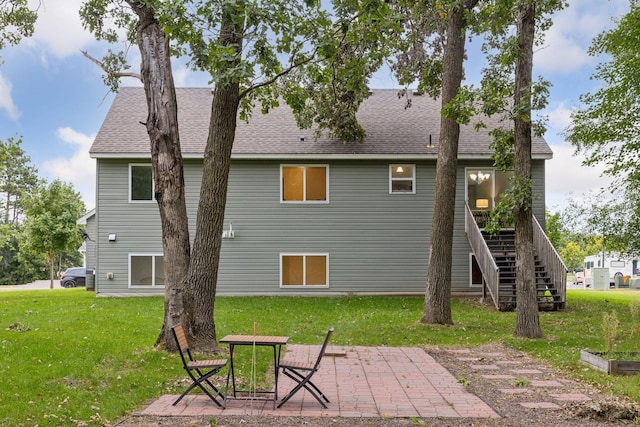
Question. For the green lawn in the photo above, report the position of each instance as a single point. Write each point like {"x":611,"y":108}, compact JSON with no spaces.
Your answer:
{"x":67,"y":357}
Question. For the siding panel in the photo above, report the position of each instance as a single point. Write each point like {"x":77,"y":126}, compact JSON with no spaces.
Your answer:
{"x":377,"y":242}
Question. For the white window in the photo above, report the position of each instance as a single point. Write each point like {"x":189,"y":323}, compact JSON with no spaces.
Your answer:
{"x":146,"y":270}
{"x":304,"y":270}
{"x":402,"y":179}
{"x":304,"y":183}
{"x":141,"y":183}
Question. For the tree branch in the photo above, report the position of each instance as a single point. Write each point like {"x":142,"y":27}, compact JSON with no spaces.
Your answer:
{"x":294,"y":64}
{"x":111,"y":73}
{"x":284,"y":72}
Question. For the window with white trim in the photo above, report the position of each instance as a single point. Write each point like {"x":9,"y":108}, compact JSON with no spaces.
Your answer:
{"x":141,"y":183}
{"x":402,"y":179}
{"x":146,"y":270}
{"x":304,"y":183}
{"x":306,"y":270}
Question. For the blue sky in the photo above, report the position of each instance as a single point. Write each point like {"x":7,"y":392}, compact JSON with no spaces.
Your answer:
{"x":53,"y":97}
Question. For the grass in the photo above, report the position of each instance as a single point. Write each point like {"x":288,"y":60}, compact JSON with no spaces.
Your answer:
{"x":69,"y":358}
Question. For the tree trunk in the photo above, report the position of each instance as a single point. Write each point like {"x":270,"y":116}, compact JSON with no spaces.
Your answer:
{"x":205,"y":260}
{"x":166,"y":159}
{"x":437,"y":303}
{"x":7,"y":202}
{"x":51,"y":274}
{"x":527,"y":316}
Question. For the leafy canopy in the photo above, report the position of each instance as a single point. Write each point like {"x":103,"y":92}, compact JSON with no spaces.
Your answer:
{"x":17,"y":20}
{"x":18,"y":178}
{"x":52,"y":213}
{"x":317,"y":60}
{"x":278,"y":36}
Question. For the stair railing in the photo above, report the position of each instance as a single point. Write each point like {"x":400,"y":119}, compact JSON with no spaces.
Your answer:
{"x":487,"y":264}
{"x":556,"y":269}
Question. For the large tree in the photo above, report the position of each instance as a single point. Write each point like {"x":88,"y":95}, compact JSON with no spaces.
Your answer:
{"x":51,"y":226}
{"x":527,"y":318}
{"x":615,"y":222}
{"x":437,"y":303}
{"x":432,"y":52}
{"x":245,"y":59}
{"x":18,"y":178}
{"x":508,"y":88}
{"x":246,"y":47}
{"x":162,"y":127}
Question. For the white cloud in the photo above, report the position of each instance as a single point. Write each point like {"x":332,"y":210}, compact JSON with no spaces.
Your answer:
{"x":59,"y":29}
{"x":560,"y":117}
{"x":78,"y":169}
{"x":567,"y":41}
{"x":6,"y":101}
{"x":567,"y":178}
{"x":561,"y":54}
{"x":183,"y":76}
{"x":180,"y":76}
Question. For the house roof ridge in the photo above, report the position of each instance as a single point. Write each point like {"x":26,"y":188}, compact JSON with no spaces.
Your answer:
{"x":392,"y":129}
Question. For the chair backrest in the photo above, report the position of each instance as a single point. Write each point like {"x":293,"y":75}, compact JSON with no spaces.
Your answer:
{"x":324,"y":347}
{"x":181,"y":342}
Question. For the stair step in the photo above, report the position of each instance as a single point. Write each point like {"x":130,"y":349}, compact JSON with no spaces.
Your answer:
{"x":503,"y":250}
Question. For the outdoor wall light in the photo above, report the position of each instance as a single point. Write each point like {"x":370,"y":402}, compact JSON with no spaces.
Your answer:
{"x":112,"y":237}
{"x":229,"y":234}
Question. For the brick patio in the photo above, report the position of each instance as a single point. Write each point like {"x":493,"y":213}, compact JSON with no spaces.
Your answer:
{"x":359,"y":382}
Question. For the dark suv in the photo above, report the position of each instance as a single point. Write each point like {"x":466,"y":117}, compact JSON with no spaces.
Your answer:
{"x":75,"y":276}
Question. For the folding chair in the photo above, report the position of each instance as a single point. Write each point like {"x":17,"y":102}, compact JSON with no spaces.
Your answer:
{"x":301,"y":373}
{"x":199,"y":370}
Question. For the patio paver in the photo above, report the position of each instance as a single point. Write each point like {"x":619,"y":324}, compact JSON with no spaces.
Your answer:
{"x":359,"y":382}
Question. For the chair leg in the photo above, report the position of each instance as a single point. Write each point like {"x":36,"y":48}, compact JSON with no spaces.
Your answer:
{"x":183,"y":394}
{"x":302,"y":383}
{"x":309,"y":383}
{"x":214,"y":388}
{"x":197,"y":382}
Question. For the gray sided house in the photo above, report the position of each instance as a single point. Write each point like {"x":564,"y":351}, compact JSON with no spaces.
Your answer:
{"x":304,"y":216}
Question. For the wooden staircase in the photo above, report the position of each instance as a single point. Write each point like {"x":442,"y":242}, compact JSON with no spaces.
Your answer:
{"x":503,"y":250}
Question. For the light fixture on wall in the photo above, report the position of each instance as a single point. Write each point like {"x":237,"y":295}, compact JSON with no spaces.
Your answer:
{"x":482,"y":203}
{"x":479,"y":177}
{"x":112,"y":237}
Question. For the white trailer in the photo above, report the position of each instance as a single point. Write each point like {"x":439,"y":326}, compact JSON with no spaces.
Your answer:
{"x":618,"y":265}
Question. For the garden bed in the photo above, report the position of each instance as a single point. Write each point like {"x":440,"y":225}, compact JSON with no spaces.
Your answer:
{"x":627,"y":363}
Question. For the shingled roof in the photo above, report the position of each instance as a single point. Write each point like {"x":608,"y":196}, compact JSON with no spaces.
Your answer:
{"x":393,"y":131}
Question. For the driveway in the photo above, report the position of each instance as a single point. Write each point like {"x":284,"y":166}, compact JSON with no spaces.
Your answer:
{"x":38,"y":284}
